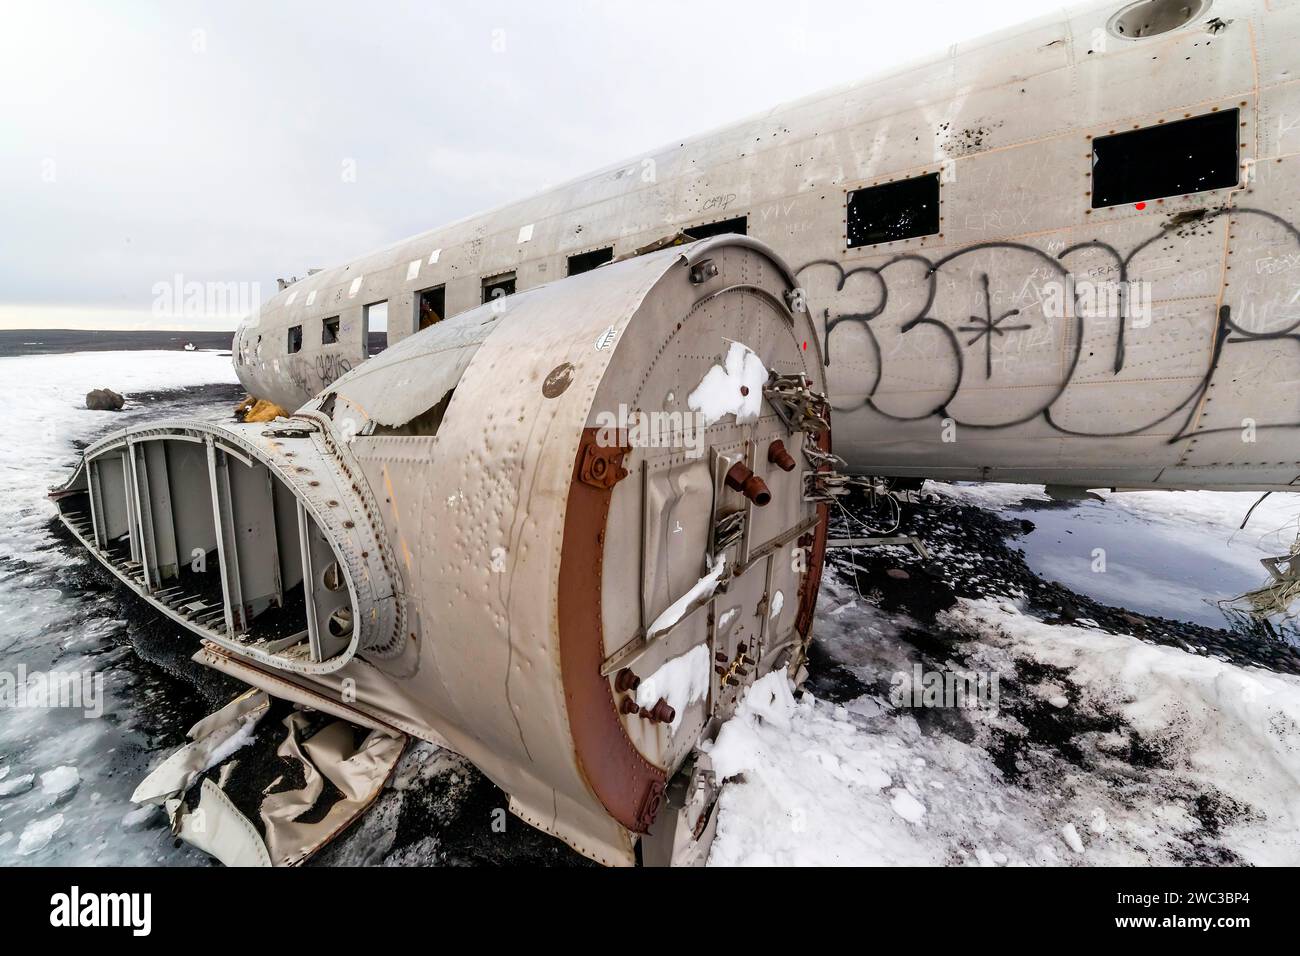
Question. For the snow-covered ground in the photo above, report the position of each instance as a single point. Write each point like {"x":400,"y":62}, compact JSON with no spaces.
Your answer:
{"x":45,"y":412}
{"x":1127,"y":752}
{"x":66,"y":773}
{"x":1272,"y":527}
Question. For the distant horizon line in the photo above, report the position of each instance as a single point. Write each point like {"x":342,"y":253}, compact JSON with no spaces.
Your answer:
{"x":36,"y":330}
{"x":34,"y":317}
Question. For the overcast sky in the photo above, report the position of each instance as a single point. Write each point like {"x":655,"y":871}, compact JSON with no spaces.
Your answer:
{"x":139,"y":141}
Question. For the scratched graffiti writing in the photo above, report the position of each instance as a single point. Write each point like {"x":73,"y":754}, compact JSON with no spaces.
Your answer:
{"x":966,"y":336}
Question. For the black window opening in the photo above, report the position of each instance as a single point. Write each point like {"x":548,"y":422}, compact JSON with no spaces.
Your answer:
{"x":329,"y":330}
{"x":376,"y":326}
{"x":431,"y":307}
{"x":295,"y":339}
{"x":586,"y":261}
{"x":739,"y":225}
{"x":1172,"y":159}
{"x":499,"y":286}
{"x":893,"y":211}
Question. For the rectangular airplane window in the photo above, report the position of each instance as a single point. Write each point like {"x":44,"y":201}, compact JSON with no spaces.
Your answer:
{"x":432,"y":307}
{"x":496,"y":287}
{"x":893,"y":211}
{"x":739,"y":225}
{"x":1172,"y":159}
{"x":295,"y":339}
{"x":329,"y":330}
{"x":586,"y":261}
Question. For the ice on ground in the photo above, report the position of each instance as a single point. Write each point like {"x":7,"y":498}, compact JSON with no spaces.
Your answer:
{"x":733,"y":388}
{"x":907,"y":806}
{"x":1272,"y":527}
{"x":995,"y":495}
{"x":1191,"y":556}
{"x":680,"y":680}
{"x":50,"y":622}
{"x":141,"y":817}
{"x":1071,"y":837}
{"x":60,"y":781}
{"x":44,"y":398}
{"x":17,"y":785}
{"x":804,"y":787}
{"x":38,"y":834}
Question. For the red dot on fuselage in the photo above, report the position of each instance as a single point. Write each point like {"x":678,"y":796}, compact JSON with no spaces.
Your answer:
{"x":1141,"y":205}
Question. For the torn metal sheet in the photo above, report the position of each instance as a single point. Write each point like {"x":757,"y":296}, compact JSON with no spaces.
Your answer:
{"x":325,"y":772}
{"x":414,"y":375}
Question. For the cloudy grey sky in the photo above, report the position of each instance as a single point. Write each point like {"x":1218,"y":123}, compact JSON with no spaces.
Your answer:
{"x":143,"y":141}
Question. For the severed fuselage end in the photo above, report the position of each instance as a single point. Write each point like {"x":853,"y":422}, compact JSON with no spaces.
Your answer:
{"x":560,"y":534}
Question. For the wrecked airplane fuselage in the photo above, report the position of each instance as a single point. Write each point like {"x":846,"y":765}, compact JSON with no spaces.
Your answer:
{"x":1066,"y":253}
{"x":558,"y":534}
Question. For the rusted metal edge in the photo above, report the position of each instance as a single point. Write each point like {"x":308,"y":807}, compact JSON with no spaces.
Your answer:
{"x":817,"y":557}
{"x":627,"y":785}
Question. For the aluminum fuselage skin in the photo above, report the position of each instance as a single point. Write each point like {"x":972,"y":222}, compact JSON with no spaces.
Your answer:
{"x":1200,"y":394}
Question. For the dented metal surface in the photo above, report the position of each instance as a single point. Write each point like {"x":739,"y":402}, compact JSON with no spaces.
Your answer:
{"x":415,"y":375}
{"x":560,"y":510}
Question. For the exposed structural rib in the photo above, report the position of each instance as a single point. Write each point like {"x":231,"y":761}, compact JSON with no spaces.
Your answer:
{"x":250,"y":537}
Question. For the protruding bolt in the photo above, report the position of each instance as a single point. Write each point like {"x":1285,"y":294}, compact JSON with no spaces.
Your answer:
{"x":778,"y":456}
{"x":625,"y":681}
{"x":720,"y":657}
{"x":662,"y":712}
{"x":630,"y":706}
{"x":741,"y":478}
{"x":703,"y":271}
